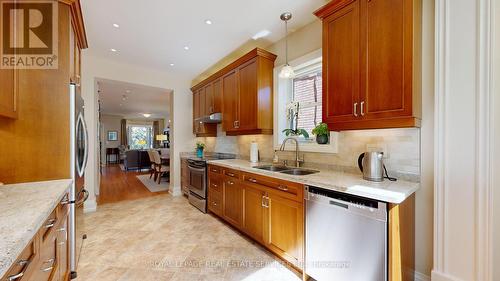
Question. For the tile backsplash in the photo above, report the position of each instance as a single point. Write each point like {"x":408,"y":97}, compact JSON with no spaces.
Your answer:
{"x":402,"y":148}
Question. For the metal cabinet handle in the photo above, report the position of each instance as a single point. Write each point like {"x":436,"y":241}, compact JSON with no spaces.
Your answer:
{"x":214,"y":185}
{"x":51,"y":266}
{"x":263,"y":201}
{"x":252,"y":180}
{"x":356,"y":109}
{"x":230,"y":174}
{"x":51,"y":223}
{"x":282,"y":187}
{"x":362,"y":111}
{"x":64,"y":201}
{"x":236,"y":124}
{"x":267,"y":201}
{"x":215,"y":170}
{"x":215,"y":203}
{"x":230,"y":182}
{"x":20,"y":274}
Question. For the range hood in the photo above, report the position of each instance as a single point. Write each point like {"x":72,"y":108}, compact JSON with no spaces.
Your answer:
{"x":212,"y":118}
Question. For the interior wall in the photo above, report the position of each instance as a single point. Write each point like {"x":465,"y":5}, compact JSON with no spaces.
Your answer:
{"x":109,"y":123}
{"x":405,"y":146}
{"x":496,"y":140}
{"x":94,"y":68}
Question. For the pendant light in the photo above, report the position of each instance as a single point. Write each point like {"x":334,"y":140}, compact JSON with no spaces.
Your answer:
{"x":287,"y":71}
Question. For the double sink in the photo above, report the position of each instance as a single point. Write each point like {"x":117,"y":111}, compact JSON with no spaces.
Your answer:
{"x":287,"y":170}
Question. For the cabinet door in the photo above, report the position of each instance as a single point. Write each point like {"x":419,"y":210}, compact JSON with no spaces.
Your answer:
{"x":63,"y":249}
{"x":209,"y":99}
{"x":217,"y":95}
{"x":284,"y":231}
{"x":202,"y":102}
{"x":47,"y":266}
{"x":341,"y":65}
{"x":196,"y":111}
{"x":386,"y":67}
{"x":247,"y":82}
{"x":8,"y":93}
{"x":230,"y":101}
{"x":233,"y":202}
{"x":253,"y":221}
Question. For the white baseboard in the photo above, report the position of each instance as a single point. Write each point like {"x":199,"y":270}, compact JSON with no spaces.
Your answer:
{"x":90,"y":206}
{"x":421,"y":277}
{"x":175,"y":191}
{"x":439,"y":276}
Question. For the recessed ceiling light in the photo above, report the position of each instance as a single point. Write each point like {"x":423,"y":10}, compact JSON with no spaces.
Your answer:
{"x":186,"y":48}
{"x":147,"y":115}
{"x":261,"y":34}
{"x":116,"y":25}
{"x":127,"y":91}
{"x":208,"y":22}
{"x":114,"y":50}
{"x":172,"y":64}
{"x":124,"y":97}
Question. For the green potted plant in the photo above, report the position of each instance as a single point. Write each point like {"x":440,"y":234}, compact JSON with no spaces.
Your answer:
{"x":296,"y":132}
{"x":199,"y":149}
{"x":322,"y":133}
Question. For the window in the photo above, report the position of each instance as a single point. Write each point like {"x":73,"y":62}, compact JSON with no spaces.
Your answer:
{"x":140,"y":137}
{"x":307,"y":92}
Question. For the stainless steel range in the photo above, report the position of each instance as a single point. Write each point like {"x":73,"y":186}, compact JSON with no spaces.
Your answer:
{"x":198,"y":178}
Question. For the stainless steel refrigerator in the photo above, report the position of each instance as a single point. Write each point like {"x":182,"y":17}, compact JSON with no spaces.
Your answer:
{"x":78,"y":194}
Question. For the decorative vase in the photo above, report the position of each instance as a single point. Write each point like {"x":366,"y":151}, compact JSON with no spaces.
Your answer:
{"x":199,"y":152}
{"x":322,"y":139}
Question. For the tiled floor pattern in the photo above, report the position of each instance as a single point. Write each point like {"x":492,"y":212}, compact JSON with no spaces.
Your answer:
{"x":165,"y":238}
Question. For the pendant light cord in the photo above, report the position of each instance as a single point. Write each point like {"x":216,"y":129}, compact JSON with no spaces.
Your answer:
{"x":286,"y":41}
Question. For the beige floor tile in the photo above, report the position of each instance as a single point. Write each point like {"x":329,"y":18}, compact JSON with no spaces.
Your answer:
{"x":165,"y":238}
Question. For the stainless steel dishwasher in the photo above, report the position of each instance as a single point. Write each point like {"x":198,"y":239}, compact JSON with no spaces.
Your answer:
{"x":346,"y":237}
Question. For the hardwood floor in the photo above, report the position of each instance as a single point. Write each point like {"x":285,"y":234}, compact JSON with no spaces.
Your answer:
{"x":117,"y":185}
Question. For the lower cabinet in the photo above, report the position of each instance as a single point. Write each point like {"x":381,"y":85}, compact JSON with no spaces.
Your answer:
{"x":184,"y":176}
{"x":233,"y":201}
{"x":254,"y":212}
{"x":284,"y":232}
{"x":268,"y":210}
{"x":46,"y":258}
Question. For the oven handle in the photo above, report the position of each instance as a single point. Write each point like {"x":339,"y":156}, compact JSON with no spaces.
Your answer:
{"x":201,"y":170}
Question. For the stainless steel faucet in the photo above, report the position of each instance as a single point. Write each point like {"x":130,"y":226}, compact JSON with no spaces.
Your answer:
{"x":297,"y":159}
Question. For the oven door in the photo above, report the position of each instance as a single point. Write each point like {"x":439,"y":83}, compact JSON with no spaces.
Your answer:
{"x":198,"y":181}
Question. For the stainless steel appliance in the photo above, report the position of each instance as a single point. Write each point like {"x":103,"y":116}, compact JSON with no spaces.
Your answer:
{"x":346,"y":237}
{"x":372,"y":165}
{"x":198,"y":178}
{"x":78,"y":162}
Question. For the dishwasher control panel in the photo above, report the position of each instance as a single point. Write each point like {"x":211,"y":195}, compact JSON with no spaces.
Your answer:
{"x":356,"y":200}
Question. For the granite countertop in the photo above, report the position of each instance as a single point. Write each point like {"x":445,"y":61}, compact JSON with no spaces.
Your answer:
{"x":387,"y":191}
{"x":24,"y":208}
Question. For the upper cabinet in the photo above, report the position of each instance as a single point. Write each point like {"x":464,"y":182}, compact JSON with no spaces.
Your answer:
{"x":8,"y":93}
{"x":371,"y":63}
{"x":243,"y":93}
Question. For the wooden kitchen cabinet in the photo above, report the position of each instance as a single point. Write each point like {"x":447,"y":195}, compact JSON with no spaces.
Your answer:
{"x":184,"y":176}
{"x":9,"y":93}
{"x":371,"y":66}
{"x":268,"y":210}
{"x":243,"y":91}
{"x":232,"y":201}
{"x":201,"y":129}
{"x":284,"y":231}
{"x":254,"y":212}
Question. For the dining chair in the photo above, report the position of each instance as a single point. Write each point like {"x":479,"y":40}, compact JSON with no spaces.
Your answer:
{"x":152,"y":170}
{"x":160,"y":168}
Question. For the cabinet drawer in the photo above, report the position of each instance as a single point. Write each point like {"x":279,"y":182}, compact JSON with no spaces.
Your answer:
{"x":231,"y":173}
{"x":214,"y":169}
{"x":215,"y":185}
{"x":47,"y":267}
{"x":215,"y":203}
{"x":48,"y":226}
{"x":63,"y":208}
{"x":24,"y":264}
{"x":287,"y":189}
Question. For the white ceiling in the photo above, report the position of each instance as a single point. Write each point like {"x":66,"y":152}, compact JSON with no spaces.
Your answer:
{"x":139,"y":99}
{"x":153,"y":33}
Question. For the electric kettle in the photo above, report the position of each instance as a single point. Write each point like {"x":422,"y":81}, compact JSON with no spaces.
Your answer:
{"x":372,"y":165}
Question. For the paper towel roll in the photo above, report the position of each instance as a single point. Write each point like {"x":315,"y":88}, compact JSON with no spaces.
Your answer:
{"x":254,"y":152}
